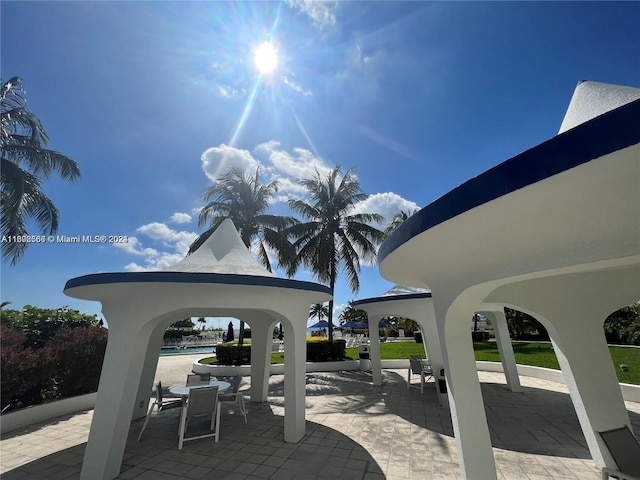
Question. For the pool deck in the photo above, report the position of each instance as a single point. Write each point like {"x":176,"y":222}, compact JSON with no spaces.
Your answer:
{"x":354,"y":431}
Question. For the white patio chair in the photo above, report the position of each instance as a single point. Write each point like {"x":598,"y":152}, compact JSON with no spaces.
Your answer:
{"x":234,"y":397}
{"x":417,"y":366}
{"x":201,"y":401}
{"x":160,"y":405}
{"x":198,"y":378}
{"x":625,"y":450}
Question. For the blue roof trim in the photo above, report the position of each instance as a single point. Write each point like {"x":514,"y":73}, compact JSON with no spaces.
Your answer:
{"x":611,"y":131}
{"x":191,"y":277}
{"x":389,"y":298}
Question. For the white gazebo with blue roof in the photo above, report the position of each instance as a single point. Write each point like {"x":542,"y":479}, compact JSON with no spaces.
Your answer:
{"x":220,"y":279}
{"x":553,"y":232}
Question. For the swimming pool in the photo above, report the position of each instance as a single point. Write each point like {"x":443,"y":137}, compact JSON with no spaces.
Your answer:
{"x":186,"y":350}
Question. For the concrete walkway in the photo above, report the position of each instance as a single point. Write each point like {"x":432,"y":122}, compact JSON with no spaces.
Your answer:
{"x":354,"y":431}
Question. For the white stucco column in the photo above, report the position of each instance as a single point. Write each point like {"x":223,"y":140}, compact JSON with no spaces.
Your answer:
{"x":261,"y":340}
{"x":505,"y":348}
{"x":374,"y":348}
{"x":465,"y":398}
{"x":150,"y":364}
{"x":591,"y":378}
{"x":295,"y":358}
{"x":117,"y":392}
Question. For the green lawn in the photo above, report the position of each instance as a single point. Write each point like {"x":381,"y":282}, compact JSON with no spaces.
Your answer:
{"x":538,"y":354}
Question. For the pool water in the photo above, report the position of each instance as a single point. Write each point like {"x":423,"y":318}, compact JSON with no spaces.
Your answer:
{"x":187,"y":350}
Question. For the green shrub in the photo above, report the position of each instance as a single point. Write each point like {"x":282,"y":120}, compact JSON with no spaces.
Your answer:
{"x":232,"y":354}
{"x":480,"y":336}
{"x":180,"y":332}
{"x":326,"y":351}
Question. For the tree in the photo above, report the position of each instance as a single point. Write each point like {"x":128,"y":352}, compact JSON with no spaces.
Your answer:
{"x":203,"y":322}
{"x":335,"y":237}
{"x":25,"y":164}
{"x":397,"y":220}
{"x":623,"y":326}
{"x":351,"y":314}
{"x":245,"y":200}
{"x":523,"y":326}
{"x":185,"y":323}
{"x":319,"y":311}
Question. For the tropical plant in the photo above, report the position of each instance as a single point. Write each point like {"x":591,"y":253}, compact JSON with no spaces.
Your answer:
{"x":397,"y":220}
{"x":245,"y":200}
{"x":319,"y":311}
{"x":25,"y":164}
{"x":334,"y":237}
{"x":203,"y":323}
{"x":352,"y":314}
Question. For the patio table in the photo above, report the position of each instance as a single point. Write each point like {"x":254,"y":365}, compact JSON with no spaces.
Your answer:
{"x":183,"y":388}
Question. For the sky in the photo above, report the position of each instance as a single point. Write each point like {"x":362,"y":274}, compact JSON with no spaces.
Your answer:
{"x":155,"y":99}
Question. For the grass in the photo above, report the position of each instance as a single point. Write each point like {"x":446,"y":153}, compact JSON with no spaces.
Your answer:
{"x":537,"y":354}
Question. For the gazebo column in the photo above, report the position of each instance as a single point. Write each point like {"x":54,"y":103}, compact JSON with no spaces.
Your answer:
{"x":374,"y":348}
{"x":117,"y":393}
{"x":261,"y":341}
{"x":505,"y":348}
{"x":141,"y":405}
{"x":467,"y":406}
{"x":590,"y":375}
{"x":433,"y":350}
{"x":295,"y":359}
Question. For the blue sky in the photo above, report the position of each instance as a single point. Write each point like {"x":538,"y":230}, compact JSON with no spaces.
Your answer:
{"x":153,"y":99}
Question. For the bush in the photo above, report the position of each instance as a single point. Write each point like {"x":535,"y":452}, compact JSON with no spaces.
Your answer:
{"x":44,"y":357}
{"x":326,"y":351}
{"x":179,"y":333}
{"x":231,"y":354}
{"x":480,"y":336}
{"x":418,"y":336}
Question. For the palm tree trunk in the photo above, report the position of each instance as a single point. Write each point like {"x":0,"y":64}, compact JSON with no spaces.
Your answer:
{"x":330,"y":316}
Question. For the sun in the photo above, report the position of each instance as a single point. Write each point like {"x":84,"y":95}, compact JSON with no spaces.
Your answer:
{"x":265,"y":58}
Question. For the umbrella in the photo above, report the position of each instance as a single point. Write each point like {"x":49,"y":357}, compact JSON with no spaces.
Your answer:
{"x":321,"y":324}
{"x":352,"y":325}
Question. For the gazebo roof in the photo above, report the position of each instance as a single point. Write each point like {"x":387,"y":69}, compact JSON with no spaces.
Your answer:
{"x":222,"y":252}
{"x":397,"y":292}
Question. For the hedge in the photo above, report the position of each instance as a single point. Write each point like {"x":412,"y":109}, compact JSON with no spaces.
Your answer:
{"x":319,"y":351}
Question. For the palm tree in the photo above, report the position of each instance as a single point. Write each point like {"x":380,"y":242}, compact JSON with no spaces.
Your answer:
{"x":242,"y":198}
{"x":319,"y":311}
{"x":334,"y":237}
{"x":25,"y":163}
{"x":397,"y":220}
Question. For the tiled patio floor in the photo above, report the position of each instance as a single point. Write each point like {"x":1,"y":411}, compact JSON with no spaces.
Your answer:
{"x":354,"y":431}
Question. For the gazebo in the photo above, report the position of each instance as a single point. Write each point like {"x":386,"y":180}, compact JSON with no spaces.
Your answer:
{"x":553,"y":232}
{"x":417,"y":304}
{"x":220,"y":279}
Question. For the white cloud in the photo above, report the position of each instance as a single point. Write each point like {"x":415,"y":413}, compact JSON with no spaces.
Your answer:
{"x":134,"y":247}
{"x":215,"y":160}
{"x":386,"y":204}
{"x":301,"y":164}
{"x":180,"y":217}
{"x":226,"y":91}
{"x":296,"y":87}
{"x":322,"y":13}
{"x":171,"y":247}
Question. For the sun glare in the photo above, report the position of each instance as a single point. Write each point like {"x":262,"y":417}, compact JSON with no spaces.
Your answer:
{"x":266,"y":58}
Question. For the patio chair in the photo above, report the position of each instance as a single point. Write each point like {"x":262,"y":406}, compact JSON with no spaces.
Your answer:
{"x":198,"y":378}
{"x":160,"y":405}
{"x":417,"y":366}
{"x":234,"y":397}
{"x":625,"y":450}
{"x":201,"y":401}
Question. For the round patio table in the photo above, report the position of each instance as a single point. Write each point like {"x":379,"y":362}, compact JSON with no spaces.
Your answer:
{"x":183,"y":388}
